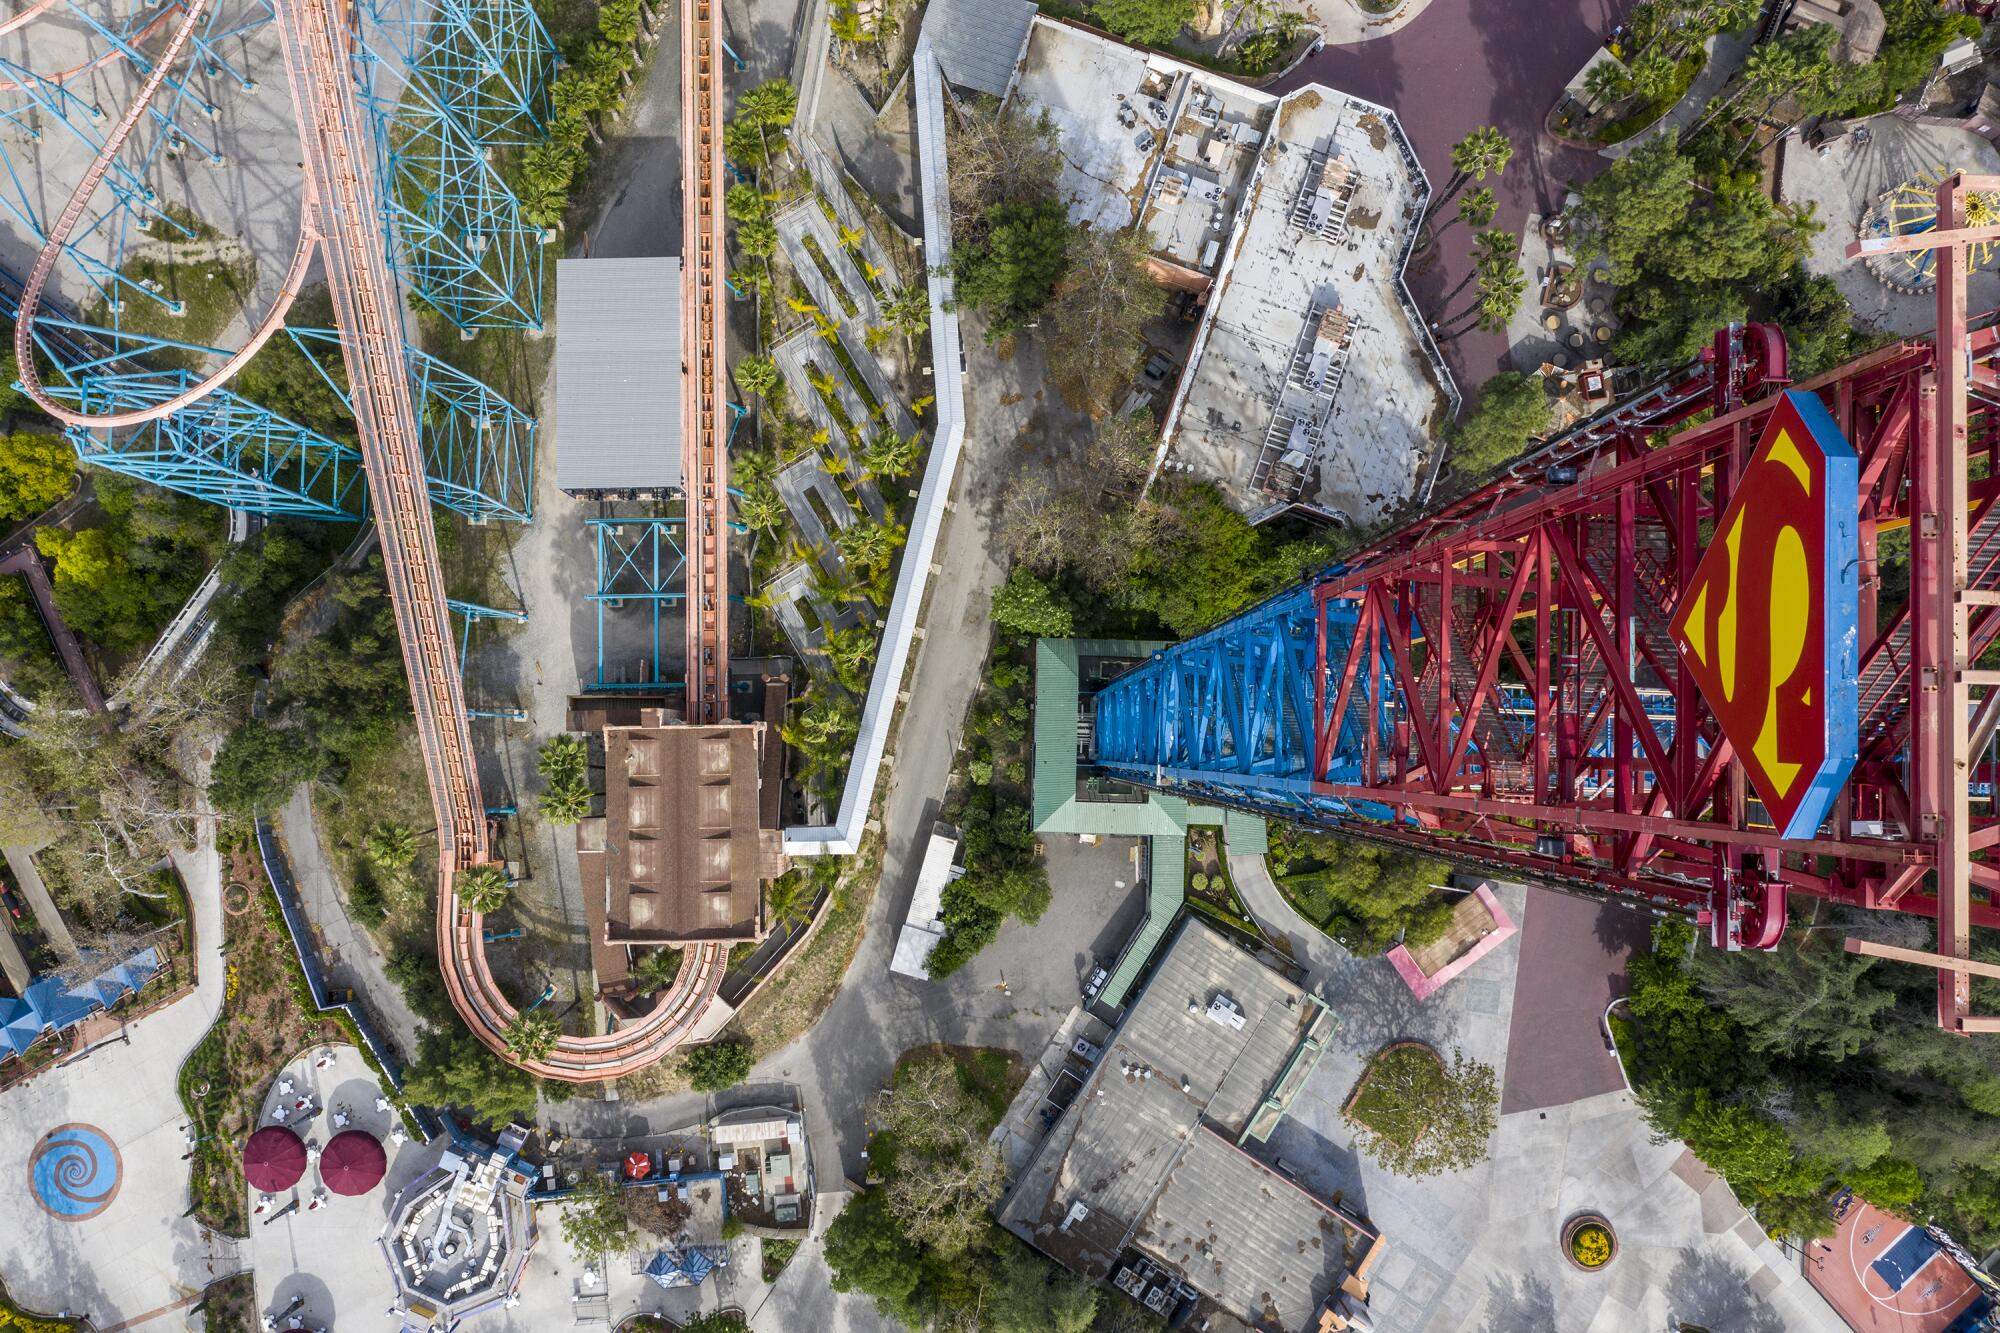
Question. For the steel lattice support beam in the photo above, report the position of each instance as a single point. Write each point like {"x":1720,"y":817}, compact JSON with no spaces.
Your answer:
{"x":442,"y":89}
{"x":1533,"y":712}
{"x":638,"y":560}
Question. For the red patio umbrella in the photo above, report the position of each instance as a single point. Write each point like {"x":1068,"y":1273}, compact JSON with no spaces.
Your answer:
{"x":638,"y":1165}
{"x":353,"y":1163}
{"x":273,"y":1159}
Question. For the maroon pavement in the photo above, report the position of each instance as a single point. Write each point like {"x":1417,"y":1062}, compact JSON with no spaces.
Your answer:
{"x":1573,"y":954}
{"x":1458,"y":65}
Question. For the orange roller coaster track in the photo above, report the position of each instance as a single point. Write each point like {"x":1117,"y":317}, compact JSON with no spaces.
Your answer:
{"x":704,"y":457}
{"x":340,"y":218}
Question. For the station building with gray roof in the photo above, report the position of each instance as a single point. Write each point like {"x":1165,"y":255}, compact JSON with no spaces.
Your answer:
{"x":1147,"y":1179}
{"x":618,"y":378}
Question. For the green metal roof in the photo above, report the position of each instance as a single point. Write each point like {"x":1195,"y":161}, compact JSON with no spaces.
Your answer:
{"x":1163,"y":818}
{"x":1165,"y":893}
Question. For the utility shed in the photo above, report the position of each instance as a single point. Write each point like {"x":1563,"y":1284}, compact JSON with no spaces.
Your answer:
{"x":979,"y":42}
{"x":618,"y":378}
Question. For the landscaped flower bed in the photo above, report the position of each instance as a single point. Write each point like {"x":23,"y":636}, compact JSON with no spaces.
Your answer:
{"x":1588,"y":1242}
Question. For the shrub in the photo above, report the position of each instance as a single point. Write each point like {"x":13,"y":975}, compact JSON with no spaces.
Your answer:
{"x":718,"y":1065}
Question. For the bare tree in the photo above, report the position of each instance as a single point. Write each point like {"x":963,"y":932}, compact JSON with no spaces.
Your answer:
{"x":947,"y":1175}
{"x":999,"y":157}
{"x":1039,"y":526}
{"x":1098,"y":319}
{"x":1120,"y":451}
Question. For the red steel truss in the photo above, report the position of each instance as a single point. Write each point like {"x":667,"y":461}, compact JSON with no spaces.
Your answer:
{"x":1532,"y":617}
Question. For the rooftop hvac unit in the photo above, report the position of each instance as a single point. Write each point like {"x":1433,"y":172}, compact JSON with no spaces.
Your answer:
{"x":1322,"y":209}
{"x":1077,"y":1212}
{"x":1156,"y":1299}
{"x":1224,"y":1011}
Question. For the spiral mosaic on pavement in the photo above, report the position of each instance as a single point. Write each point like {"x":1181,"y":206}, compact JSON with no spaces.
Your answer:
{"x":75,"y":1171}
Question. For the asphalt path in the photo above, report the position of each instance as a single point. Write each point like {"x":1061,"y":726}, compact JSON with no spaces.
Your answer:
{"x":1461,"y":64}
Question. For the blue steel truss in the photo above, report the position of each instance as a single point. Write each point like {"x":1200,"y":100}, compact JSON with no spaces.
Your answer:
{"x":38,"y":103}
{"x":479,"y":449}
{"x":472,"y":613}
{"x":445,"y":86}
{"x":223,"y":448}
{"x":638,"y":560}
{"x":1229,"y":715}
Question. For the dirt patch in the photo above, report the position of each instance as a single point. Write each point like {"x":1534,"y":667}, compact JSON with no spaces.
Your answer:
{"x":1378,"y":133}
{"x":1367,"y":219}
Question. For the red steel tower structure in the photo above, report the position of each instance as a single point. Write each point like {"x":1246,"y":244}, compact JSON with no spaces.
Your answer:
{"x":1677,"y":653}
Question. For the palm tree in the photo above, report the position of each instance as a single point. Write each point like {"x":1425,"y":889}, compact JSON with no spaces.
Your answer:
{"x":1475,"y":210}
{"x":852,"y":652}
{"x":483,"y":888}
{"x":656,"y":968}
{"x":532,"y":1035}
{"x":1489,"y":247}
{"x":759,"y":375}
{"x":1653,"y":75}
{"x":786,"y":899}
{"x":1501,"y":287}
{"x":769,"y":106}
{"x":1484,"y":150}
{"x":1608,"y":81}
{"x":908,"y":310}
{"x":390,"y":847}
{"x":565,"y":803}
{"x":563,"y":759}
{"x":891,"y":455}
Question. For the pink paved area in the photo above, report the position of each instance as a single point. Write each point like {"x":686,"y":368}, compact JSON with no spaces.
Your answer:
{"x":1461,"y":64}
{"x":1573,"y":954}
{"x":1842,"y":1269}
{"x":1424,"y":987}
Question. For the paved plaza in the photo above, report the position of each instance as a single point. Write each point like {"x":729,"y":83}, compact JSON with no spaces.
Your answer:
{"x":91,"y":1166}
{"x":1476,"y":1251}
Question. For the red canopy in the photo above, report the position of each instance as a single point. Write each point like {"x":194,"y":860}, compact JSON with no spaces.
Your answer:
{"x":638,"y":1165}
{"x":273,"y":1159}
{"x":353,"y":1163}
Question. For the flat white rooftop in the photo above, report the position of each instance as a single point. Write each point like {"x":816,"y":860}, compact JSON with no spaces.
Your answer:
{"x":1310,"y":381}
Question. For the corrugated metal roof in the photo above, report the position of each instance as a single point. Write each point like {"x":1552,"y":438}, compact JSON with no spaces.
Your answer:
{"x":618,"y":375}
{"x":978,"y":42}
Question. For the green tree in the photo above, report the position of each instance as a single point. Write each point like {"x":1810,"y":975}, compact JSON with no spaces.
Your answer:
{"x":718,"y":1065}
{"x":1364,"y":895}
{"x":483,"y":888}
{"x":532,"y":1035}
{"x":1012,"y":270}
{"x":758,"y":237}
{"x":1027,"y":605}
{"x":257,"y":768}
{"x":1889,"y":1183}
{"x":35,"y":472}
{"x":1144,"y":22}
{"x":593,"y":1217}
{"x":868,"y":1251}
{"x":772,"y":104}
{"x":946,"y":1174}
{"x":1034,"y":1296}
{"x":453,"y":1068}
{"x":24,"y":642}
{"x":1449,"y":1113}
{"x":1812,"y":998}
{"x":1511,"y":409}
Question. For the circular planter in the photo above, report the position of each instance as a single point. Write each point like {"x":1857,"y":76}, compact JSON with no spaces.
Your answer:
{"x":1589,"y":1243}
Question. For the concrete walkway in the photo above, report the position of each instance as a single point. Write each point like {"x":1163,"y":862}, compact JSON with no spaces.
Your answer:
{"x":1726,"y":54}
{"x":350,"y":956}
{"x":1310,"y":947}
{"x":21,"y":860}
{"x":137,"y":1257}
{"x":1344,"y":23}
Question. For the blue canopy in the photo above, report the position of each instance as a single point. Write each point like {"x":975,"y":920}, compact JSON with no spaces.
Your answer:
{"x":680,"y":1268}
{"x":47,"y":1003}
